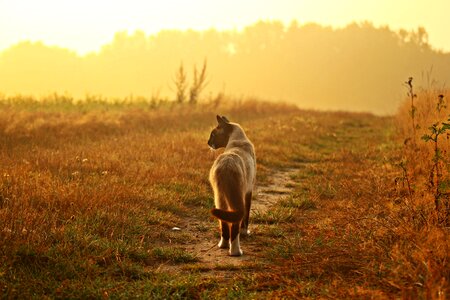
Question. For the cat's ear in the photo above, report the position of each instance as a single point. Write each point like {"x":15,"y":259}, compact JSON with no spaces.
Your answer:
{"x":223,"y":121}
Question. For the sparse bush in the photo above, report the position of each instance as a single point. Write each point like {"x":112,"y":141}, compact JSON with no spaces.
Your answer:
{"x":180,"y":82}
{"x":413,"y":108}
{"x":436,"y":180}
{"x":198,"y":84}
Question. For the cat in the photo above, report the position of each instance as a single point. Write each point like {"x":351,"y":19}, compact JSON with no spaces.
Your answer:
{"x":232,"y":177}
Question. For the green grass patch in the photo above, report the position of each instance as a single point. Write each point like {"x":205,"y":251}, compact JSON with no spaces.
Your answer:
{"x":298,"y":202}
{"x":275,"y":215}
{"x":173,"y":255}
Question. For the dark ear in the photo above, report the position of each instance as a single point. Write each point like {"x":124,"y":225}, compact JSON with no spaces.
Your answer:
{"x":222,"y":121}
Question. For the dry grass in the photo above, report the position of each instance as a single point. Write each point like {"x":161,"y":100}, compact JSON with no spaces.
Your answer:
{"x":89,"y":195}
{"x":89,"y":191}
{"x":429,"y":191}
{"x":425,"y":247}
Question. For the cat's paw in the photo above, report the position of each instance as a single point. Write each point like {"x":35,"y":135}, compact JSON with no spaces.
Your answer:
{"x":236,"y":252}
{"x":235,"y":247}
{"x":223,"y":244}
{"x":244,"y":232}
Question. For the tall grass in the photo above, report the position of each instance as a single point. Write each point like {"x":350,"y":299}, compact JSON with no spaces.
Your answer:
{"x":428,"y":162}
{"x":426,"y":210}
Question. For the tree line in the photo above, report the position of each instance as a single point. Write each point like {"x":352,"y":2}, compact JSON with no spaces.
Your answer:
{"x":357,"y":67}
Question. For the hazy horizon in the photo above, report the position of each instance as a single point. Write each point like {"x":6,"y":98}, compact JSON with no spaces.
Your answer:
{"x":360,"y":67}
{"x":236,"y":30}
{"x":322,"y":54}
{"x":82,"y":52}
{"x":84,"y":26}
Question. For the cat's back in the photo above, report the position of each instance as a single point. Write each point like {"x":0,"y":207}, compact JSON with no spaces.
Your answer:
{"x":240,"y":157}
{"x":228,"y":162}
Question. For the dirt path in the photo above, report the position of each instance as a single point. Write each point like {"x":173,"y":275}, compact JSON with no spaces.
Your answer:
{"x":281,"y":185}
{"x":204,"y":246}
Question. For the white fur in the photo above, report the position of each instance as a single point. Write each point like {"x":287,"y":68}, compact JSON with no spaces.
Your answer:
{"x":244,"y":231}
{"x":223,"y":244}
{"x":235,"y":247}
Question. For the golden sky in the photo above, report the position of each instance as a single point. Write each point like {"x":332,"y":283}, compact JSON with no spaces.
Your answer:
{"x":85,"y":25}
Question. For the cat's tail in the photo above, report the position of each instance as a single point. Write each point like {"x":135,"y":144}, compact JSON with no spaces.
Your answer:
{"x":229,"y":216}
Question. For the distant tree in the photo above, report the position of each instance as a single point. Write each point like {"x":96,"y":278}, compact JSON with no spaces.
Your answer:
{"x":420,"y":37}
{"x":198,"y":84}
{"x":266,"y":59}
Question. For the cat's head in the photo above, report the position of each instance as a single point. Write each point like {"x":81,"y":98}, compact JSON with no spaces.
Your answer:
{"x":221,"y":134}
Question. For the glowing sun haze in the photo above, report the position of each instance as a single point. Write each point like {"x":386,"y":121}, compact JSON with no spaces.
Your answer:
{"x":85,"y":25}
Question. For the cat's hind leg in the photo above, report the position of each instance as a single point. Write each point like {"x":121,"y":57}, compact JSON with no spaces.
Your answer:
{"x":245,"y":221}
{"x":235,"y":247}
{"x":224,"y":235}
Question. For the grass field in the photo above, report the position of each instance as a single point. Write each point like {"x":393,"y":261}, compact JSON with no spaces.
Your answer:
{"x":90,"y":194}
